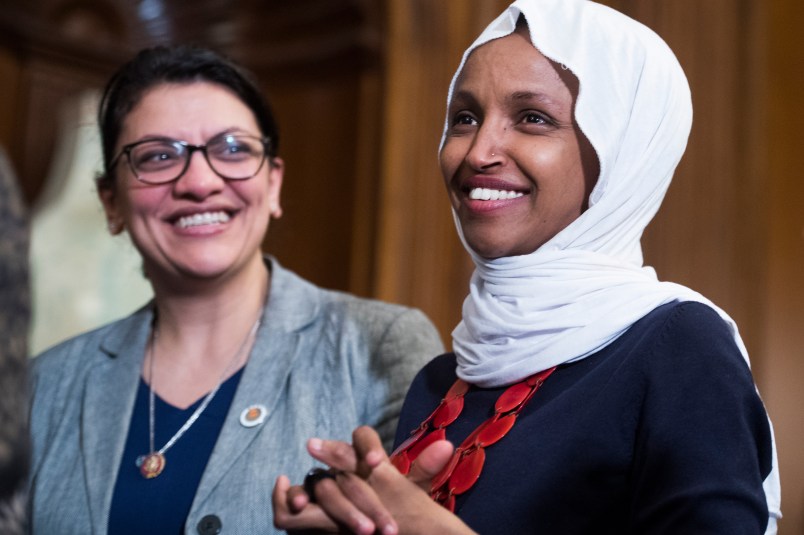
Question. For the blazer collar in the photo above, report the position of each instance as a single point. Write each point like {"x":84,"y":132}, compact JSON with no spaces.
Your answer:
{"x":293,"y":303}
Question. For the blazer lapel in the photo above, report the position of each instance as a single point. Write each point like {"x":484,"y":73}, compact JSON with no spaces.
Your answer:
{"x":262,"y":383}
{"x":293,"y":304}
{"x":108,"y":402}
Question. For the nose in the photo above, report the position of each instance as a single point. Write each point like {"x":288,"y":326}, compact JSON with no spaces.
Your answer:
{"x":488,"y":147}
{"x":199,"y":181}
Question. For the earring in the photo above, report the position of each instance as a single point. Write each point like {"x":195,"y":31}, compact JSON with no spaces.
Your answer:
{"x":115,"y":227}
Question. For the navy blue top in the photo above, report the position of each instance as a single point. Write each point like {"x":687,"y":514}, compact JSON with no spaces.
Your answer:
{"x":161,"y":505}
{"x":660,"y":432}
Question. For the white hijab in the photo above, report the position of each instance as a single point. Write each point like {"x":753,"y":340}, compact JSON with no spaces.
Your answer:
{"x":586,"y":286}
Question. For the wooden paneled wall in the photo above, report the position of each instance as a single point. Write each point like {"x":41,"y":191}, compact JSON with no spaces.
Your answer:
{"x":782,"y":310}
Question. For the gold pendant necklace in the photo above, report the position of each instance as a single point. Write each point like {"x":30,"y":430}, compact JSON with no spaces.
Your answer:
{"x":152,"y":464}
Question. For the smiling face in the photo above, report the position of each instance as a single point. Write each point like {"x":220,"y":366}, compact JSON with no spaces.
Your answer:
{"x":517,"y":168}
{"x":201,"y":226}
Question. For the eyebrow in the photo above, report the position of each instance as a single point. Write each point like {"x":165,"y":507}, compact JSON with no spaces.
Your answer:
{"x":531,"y":96}
{"x":161,"y":137}
{"x":464,"y":96}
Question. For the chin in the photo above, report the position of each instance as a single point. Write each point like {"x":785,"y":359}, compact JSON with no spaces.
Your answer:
{"x":489,"y":245}
{"x":489,"y":251}
{"x":492,"y":249}
{"x":203,"y":267}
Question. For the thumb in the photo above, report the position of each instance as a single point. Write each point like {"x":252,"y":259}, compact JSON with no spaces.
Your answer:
{"x":430,"y":462}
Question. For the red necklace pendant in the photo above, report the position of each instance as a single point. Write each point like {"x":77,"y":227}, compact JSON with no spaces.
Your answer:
{"x":151,"y":465}
{"x":466,"y":464}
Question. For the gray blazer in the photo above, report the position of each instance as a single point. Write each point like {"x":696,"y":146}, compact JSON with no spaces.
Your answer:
{"x":324,"y":362}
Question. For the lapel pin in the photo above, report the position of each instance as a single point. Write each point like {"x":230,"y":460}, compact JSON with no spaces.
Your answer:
{"x":253,"y":415}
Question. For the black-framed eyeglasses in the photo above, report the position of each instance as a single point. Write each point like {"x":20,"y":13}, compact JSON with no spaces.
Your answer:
{"x":164,"y":160}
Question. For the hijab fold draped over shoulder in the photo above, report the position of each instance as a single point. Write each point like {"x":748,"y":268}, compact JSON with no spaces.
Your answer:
{"x":587,"y":285}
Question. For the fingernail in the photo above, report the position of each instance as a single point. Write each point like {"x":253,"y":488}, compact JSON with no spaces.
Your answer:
{"x":373,"y":457}
{"x":389,"y":529}
{"x":315,"y":444}
{"x":364,"y":525}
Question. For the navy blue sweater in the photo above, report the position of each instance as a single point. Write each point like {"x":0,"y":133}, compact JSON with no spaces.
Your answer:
{"x":660,"y":432}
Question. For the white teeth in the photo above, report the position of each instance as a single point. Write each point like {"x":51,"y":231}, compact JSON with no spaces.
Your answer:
{"x":487,"y":194}
{"x":206,"y":218}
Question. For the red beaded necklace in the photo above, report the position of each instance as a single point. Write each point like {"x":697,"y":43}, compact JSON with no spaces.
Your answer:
{"x":463,"y":469}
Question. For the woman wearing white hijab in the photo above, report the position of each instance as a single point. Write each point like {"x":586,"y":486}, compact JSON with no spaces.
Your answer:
{"x":583,"y":394}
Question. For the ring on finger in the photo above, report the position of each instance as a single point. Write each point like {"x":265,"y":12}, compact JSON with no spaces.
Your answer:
{"x":313,"y":477}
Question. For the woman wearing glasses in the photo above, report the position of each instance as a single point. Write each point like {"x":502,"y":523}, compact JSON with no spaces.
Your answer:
{"x":178,"y":418}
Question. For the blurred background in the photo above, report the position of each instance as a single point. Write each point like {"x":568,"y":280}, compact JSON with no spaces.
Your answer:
{"x":359,"y":88}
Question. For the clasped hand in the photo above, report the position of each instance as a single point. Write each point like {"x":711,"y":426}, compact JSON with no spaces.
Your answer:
{"x":368,"y":494}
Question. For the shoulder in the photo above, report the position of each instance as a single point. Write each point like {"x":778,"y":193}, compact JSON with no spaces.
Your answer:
{"x":373,"y":315}
{"x":687,"y":336}
{"x":70,"y":353}
{"x":56,"y":367}
{"x":370,"y":313}
{"x":347,"y":313}
{"x":697,"y":320}
{"x":685,"y":358}
{"x":399,"y":339}
{"x":701,"y":423}
{"x":678,"y":360}
{"x":57,"y":379}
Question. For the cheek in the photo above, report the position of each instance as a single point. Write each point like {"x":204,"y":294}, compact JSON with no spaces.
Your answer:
{"x":255,"y":192}
{"x":557,"y":152}
{"x":555,"y":167}
{"x":570,"y":195}
{"x":581,"y":176}
{"x":141,"y":201}
{"x":450,"y":158}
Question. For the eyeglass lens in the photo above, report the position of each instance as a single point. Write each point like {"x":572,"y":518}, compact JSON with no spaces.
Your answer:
{"x":231,"y":156}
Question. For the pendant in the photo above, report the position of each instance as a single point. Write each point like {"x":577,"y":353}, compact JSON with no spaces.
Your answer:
{"x":151,"y":465}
